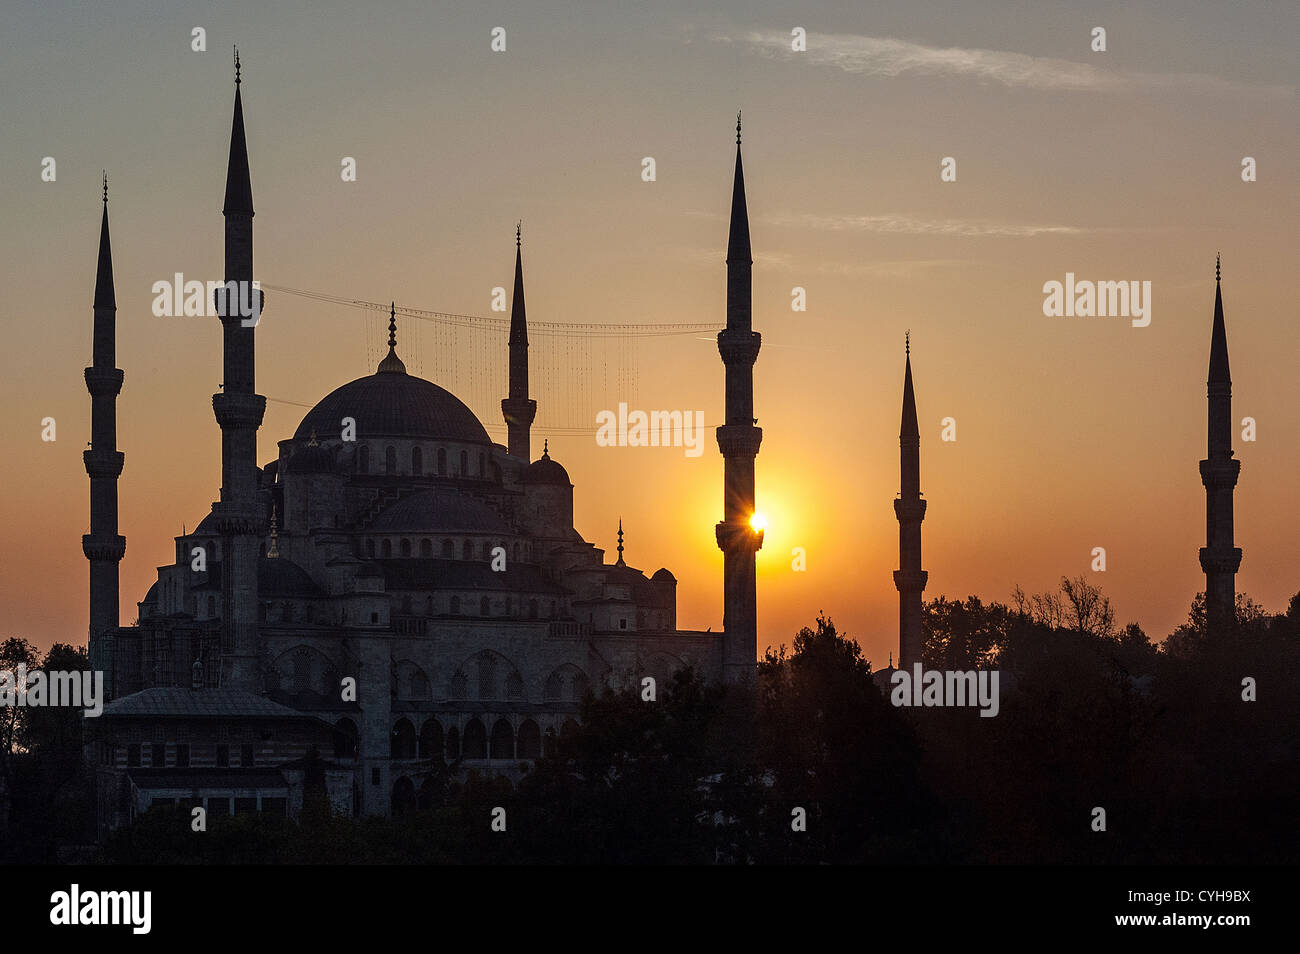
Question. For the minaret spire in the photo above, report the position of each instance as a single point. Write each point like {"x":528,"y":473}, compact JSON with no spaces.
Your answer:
{"x":104,"y":547}
{"x":1220,"y":558}
{"x":239,"y":410}
{"x":620,"y":543}
{"x":738,"y":441}
{"x":909,"y":508}
{"x":518,"y":409}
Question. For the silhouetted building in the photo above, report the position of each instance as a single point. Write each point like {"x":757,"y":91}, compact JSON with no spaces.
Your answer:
{"x":394,"y":591}
{"x":738,"y":441}
{"x":910,"y":510}
{"x":1220,"y":559}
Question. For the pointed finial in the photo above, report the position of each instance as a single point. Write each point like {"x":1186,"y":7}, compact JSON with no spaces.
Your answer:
{"x":313,"y":442}
{"x":1216,"y":266}
{"x":620,"y":541}
{"x":546,"y":444}
{"x":737,"y":127}
{"x":236,"y":66}
{"x":907,"y":342}
{"x":274,"y":550}
{"x":891,"y":659}
{"x":518,"y":229}
{"x":392,"y":325}
{"x":106,"y":187}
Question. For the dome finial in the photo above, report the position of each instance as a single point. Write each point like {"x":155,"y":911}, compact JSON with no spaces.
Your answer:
{"x":313,"y":442}
{"x":907,"y":342}
{"x":391,"y":361}
{"x":1217,"y":262}
{"x":620,"y":543}
{"x":106,"y":187}
{"x":236,"y":66}
{"x":518,"y":231}
{"x":737,"y":127}
{"x":546,"y":447}
{"x":274,"y":550}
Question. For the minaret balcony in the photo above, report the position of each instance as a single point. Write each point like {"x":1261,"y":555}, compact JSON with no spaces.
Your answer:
{"x":101,"y":382}
{"x":104,"y":547}
{"x":1214,"y":560}
{"x":1218,"y":473}
{"x":238,"y":410}
{"x":740,"y":537}
{"x":739,"y":347}
{"x":909,"y":509}
{"x":911,"y":581}
{"x":739,"y":440}
{"x":103,"y":463}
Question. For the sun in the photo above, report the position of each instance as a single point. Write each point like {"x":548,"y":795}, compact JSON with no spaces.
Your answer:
{"x":758,"y":521}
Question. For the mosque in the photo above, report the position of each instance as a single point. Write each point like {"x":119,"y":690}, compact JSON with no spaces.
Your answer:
{"x":394,"y":596}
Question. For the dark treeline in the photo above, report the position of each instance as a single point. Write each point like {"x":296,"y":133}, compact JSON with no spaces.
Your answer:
{"x":1091,"y":715}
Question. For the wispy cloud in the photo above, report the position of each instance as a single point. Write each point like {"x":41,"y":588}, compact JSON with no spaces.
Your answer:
{"x":888,"y":57}
{"x":903,"y":224}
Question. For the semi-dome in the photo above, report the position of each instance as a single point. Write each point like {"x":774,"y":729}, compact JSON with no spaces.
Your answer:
{"x":392,"y":403}
{"x":431,"y":512}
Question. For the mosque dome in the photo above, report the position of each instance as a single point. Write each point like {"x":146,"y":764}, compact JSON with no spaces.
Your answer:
{"x":392,"y":403}
{"x":546,"y":471}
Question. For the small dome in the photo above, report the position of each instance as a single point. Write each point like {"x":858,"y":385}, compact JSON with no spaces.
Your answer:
{"x":546,"y":471}
{"x":663,"y":576}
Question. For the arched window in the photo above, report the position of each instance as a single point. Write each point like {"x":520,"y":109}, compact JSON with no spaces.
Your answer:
{"x":464,"y":463}
{"x":363,"y":459}
{"x":467,"y":551}
{"x":514,"y":553}
{"x":487,"y":550}
{"x":431,"y":740}
{"x":482,"y":465}
{"x":390,"y":460}
{"x":417,"y":462}
{"x":426,"y":547}
{"x":301,"y":673}
{"x":403,"y":740}
{"x":448,"y":550}
{"x":442,"y":461}
{"x":459,"y":686}
{"x":514,"y":686}
{"x":387,"y":548}
{"x":212,"y":606}
{"x":530,"y":740}
{"x":554,"y":687}
{"x":419,"y":685}
{"x":406,"y":548}
{"x":403,"y":796}
{"x":345,"y":739}
{"x":428,"y":606}
{"x":548,"y":743}
{"x":474,"y":745}
{"x":484,"y":607}
{"x":579,"y":687}
{"x":370,"y":548}
{"x":503,"y":740}
{"x":487,"y":676}
{"x":453,"y":744}
{"x":455,"y":606}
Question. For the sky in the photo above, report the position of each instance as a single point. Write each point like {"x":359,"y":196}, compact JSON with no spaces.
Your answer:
{"x":1071,"y":433}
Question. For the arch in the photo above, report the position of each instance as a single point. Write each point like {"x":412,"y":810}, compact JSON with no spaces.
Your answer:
{"x":549,"y":743}
{"x":426,"y":547}
{"x":467,"y":552}
{"x":410,"y":681}
{"x":484,"y":607}
{"x":302,"y":669}
{"x":431,"y":740}
{"x":515,"y":687}
{"x":554,"y":687}
{"x":442,"y":461}
{"x":482,"y":465}
{"x":370,"y":547}
{"x":406,"y":547}
{"x":386,"y":548}
{"x":363,"y":459}
{"x":212,"y":606}
{"x":448,"y":550}
{"x":530,"y":740}
{"x":487,"y":550}
{"x":417,"y":462}
{"x":503,"y":740}
{"x":568,"y":729}
{"x":402,"y":741}
{"x":453,"y":744}
{"x":487,"y":675}
{"x":403,"y":796}
{"x":390,"y":459}
{"x":345,"y":739}
{"x":567,"y":683}
{"x":464,"y":464}
{"x":474,"y":743}
{"x":430,"y":794}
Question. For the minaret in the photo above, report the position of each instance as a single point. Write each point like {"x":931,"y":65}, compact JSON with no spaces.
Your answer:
{"x":239,"y":412}
{"x":620,"y":543}
{"x":104,"y":546}
{"x":738,"y":440}
{"x":1219,"y":558}
{"x":518,"y":409}
{"x":910,"y":510}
